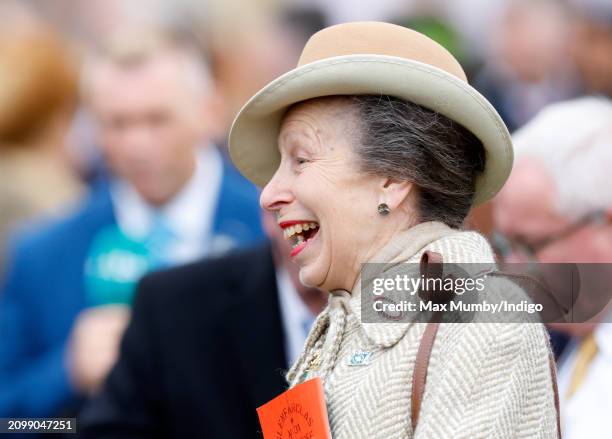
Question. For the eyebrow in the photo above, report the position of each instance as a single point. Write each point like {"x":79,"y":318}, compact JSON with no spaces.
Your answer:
{"x":293,"y":139}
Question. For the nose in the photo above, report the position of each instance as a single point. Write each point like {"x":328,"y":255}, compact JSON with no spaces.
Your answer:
{"x":277,"y":193}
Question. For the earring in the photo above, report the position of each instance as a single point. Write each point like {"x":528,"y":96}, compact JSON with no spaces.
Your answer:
{"x":383,"y":209}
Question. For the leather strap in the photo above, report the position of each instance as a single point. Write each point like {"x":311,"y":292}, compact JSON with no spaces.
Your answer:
{"x":431,"y":267}
{"x":419,"y":375}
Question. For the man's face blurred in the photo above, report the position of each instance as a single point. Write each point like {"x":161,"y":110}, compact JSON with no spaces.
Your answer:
{"x":525,"y":212}
{"x":531,"y":40}
{"x":592,"y":45}
{"x":150,"y":119}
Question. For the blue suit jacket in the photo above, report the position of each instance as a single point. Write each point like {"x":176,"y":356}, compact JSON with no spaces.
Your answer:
{"x":44,"y":290}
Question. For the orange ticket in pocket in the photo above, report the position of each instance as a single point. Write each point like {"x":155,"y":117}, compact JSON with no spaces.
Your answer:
{"x":298,"y":413}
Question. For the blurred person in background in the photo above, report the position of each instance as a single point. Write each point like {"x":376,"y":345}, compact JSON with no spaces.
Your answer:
{"x":267,"y":45}
{"x":528,"y":67}
{"x":38,"y":94}
{"x":264,"y":35}
{"x":197,"y":358}
{"x":557,"y":207}
{"x":592,"y":44}
{"x":172,"y":198}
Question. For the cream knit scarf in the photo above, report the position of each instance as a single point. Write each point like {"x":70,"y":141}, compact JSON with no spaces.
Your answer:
{"x":331,"y":323}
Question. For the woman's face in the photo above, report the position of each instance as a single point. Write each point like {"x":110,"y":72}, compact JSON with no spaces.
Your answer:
{"x":326,"y":207}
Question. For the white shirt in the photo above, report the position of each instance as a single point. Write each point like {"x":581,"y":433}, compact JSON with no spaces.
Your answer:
{"x":588,"y":413}
{"x":296,"y":317}
{"x":189,"y":215}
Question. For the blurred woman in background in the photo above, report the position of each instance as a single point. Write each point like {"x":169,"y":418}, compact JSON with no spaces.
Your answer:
{"x":38,"y":94}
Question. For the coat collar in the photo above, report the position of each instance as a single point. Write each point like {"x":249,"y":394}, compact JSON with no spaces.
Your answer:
{"x":407,"y":247}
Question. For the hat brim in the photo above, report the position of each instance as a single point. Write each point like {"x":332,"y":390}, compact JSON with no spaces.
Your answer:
{"x":253,"y":137}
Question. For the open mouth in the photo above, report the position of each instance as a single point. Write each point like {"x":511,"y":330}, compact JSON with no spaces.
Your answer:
{"x":299,"y":234}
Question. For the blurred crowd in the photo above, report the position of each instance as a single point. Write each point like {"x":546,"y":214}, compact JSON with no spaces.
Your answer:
{"x":113,"y":164}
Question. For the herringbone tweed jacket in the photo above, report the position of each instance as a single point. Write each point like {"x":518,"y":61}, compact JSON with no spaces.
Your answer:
{"x":485,"y":380}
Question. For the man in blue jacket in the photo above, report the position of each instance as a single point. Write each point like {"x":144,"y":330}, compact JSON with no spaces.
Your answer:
{"x":172,"y":198}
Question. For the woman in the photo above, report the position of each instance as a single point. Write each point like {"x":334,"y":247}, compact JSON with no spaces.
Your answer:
{"x":373,"y":150}
{"x":37,"y":100}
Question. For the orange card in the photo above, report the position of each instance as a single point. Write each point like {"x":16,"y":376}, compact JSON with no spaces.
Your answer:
{"x":298,"y":413}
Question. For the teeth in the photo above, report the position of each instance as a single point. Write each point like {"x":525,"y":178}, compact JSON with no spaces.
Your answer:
{"x":298,"y":228}
{"x":298,"y":241}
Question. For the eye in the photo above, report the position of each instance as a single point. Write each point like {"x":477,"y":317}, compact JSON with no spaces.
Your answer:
{"x":301,"y":160}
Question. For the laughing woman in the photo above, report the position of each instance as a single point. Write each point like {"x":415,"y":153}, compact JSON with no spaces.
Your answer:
{"x":374,"y":149}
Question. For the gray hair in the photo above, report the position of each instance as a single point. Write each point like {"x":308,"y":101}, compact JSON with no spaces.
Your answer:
{"x":407,"y":142}
{"x":573,"y":141}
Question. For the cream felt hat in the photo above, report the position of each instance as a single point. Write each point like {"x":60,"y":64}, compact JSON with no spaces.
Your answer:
{"x":365,"y":58}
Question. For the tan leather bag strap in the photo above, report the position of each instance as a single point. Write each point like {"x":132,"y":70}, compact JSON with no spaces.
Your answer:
{"x":419,"y":375}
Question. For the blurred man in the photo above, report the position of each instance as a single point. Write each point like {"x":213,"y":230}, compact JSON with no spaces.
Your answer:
{"x":172,"y":198}
{"x":528,"y":67}
{"x":592,"y":44}
{"x":557,"y":207}
{"x":207,"y":345}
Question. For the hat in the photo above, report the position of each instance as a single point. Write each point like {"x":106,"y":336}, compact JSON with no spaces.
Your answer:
{"x":370,"y":58}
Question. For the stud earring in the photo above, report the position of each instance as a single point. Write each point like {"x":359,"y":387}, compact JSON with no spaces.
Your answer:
{"x":383,"y":209}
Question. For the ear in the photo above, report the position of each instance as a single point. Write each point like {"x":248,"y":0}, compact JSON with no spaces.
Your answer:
{"x":396,"y":192}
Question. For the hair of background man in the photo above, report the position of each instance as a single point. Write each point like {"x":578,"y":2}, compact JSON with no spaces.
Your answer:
{"x":128,"y":50}
{"x":573,"y":142}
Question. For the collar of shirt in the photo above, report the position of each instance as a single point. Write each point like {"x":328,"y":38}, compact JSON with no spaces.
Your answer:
{"x":603,"y":337}
{"x":567,"y":361}
{"x":586,"y":413}
{"x":189,"y":214}
{"x":294,"y":315}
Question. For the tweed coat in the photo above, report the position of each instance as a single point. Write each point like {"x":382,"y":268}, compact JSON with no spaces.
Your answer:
{"x":485,"y":380}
